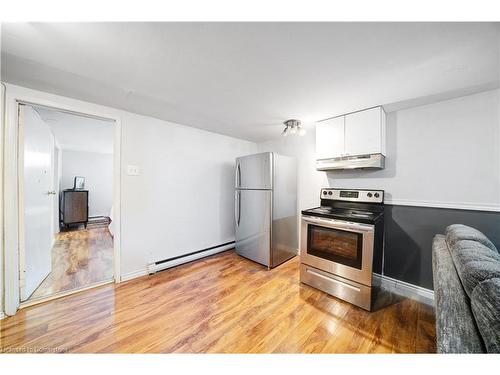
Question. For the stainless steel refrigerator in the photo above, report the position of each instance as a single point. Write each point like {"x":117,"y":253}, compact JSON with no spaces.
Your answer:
{"x":265,"y":210}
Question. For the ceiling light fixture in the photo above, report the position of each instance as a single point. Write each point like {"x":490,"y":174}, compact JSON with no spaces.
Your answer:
{"x":293,"y":127}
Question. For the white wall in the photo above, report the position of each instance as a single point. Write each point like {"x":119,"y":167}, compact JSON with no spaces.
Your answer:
{"x":97,"y":169}
{"x":183,"y":198}
{"x":444,"y":154}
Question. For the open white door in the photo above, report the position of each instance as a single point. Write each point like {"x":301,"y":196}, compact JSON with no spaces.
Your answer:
{"x":36,"y":157}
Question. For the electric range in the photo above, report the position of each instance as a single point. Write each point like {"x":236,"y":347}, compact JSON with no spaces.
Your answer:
{"x":342,"y":244}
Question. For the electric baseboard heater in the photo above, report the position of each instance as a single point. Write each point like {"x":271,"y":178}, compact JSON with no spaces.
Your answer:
{"x":186,"y":258}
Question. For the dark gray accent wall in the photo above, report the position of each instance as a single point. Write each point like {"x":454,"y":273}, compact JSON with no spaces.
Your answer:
{"x":409,"y":232}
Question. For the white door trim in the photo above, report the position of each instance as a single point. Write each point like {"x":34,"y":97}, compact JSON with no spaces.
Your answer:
{"x":12,"y":222}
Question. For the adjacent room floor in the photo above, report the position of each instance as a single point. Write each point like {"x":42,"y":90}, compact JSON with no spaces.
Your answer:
{"x":222,"y":304}
{"x":80,"y":258}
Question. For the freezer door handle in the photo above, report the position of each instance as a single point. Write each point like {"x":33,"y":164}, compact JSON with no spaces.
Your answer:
{"x":237,"y":181}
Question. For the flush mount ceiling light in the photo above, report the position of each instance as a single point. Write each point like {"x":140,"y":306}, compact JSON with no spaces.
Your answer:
{"x":293,"y":127}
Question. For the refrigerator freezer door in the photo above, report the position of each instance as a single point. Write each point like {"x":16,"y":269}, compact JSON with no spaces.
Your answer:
{"x":254,"y":171}
{"x":253,"y":225}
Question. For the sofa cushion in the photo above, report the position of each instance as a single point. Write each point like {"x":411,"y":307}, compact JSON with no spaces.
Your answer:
{"x":485,"y":303}
{"x":475,"y":263}
{"x":459,"y":232}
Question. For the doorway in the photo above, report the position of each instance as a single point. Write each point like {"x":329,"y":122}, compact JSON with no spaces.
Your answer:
{"x":66,"y":226}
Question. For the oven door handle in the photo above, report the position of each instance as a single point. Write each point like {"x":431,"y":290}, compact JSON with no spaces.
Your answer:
{"x":339,"y":224}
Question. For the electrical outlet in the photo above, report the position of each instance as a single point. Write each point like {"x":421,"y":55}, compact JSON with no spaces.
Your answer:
{"x":132,"y":170}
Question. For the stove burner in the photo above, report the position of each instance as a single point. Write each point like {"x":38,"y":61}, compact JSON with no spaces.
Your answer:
{"x":342,"y":212}
{"x":361,"y":214}
{"x":359,"y":209}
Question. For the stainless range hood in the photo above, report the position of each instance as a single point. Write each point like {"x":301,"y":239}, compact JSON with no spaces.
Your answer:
{"x":371,"y":161}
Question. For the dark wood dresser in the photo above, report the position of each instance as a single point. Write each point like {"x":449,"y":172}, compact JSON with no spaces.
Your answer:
{"x":74,"y":207}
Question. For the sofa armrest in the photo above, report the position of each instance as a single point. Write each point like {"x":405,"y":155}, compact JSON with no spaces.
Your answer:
{"x":456,"y":329}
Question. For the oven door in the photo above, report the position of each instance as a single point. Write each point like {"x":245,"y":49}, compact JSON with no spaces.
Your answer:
{"x":341,"y":248}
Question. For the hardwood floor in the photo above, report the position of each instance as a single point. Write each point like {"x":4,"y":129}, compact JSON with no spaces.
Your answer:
{"x":221,"y":304}
{"x":79,"y":258}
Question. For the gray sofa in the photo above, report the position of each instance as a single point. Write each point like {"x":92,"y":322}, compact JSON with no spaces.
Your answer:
{"x":466,"y":270}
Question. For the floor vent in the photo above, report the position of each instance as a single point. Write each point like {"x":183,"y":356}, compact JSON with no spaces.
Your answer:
{"x":181,"y":259}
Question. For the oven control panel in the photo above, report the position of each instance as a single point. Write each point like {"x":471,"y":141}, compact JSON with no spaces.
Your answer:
{"x":353,"y":195}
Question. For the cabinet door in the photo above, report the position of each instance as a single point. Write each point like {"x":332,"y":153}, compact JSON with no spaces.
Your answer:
{"x":75,"y":207}
{"x":330,"y":138}
{"x":363,"y":132}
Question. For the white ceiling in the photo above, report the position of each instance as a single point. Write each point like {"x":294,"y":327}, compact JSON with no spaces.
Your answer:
{"x":244,"y":79}
{"x":79,"y":133}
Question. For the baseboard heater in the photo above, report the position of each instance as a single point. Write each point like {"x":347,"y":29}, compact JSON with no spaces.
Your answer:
{"x":175,"y":261}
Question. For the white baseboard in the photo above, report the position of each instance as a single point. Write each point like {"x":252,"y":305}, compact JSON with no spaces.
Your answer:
{"x":2,"y":315}
{"x":134,"y":274}
{"x":406,"y":289}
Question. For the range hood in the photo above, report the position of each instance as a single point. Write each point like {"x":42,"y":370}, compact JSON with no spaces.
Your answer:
{"x":370,"y":161}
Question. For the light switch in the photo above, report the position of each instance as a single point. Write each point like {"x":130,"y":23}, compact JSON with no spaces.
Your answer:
{"x":132,"y":170}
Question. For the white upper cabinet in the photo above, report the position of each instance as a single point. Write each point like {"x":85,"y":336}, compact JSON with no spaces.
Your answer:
{"x":330,"y":138}
{"x":365,"y":132}
{"x":358,"y":133}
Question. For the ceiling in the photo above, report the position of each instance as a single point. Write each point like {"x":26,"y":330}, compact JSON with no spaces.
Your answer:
{"x":245,"y":79}
{"x":79,"y":133}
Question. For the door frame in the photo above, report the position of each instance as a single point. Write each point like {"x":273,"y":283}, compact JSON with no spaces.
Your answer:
{"x":13,"y":221}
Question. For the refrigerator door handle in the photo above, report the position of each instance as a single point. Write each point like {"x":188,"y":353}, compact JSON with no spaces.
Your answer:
{"x":237,"y":207}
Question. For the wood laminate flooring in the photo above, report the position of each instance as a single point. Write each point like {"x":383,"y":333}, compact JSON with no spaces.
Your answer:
{"x":79,"y":258}
{"x":221,"y":304}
